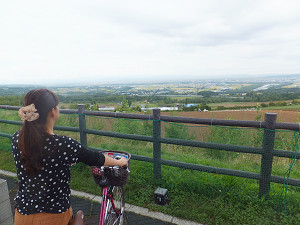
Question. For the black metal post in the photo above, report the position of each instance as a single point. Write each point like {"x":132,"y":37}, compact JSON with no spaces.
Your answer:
{"x":267,"y":156}
{"x":156,"y":143}
{"x":82,"y":125}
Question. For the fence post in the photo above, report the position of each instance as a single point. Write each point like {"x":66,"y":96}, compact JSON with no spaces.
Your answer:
{"x":156,"y":143}
{"x":267,"y":156}
{"x":82,"y":125}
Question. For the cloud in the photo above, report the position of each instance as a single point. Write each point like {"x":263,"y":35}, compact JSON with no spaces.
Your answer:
{"x":52,"y":41}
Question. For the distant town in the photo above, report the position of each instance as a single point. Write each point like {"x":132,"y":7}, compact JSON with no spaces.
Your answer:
{"x":186,"y":88}
{"x":265,"y":91}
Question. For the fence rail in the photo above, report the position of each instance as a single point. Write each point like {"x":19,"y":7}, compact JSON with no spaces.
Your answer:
{"x":267,"y":150}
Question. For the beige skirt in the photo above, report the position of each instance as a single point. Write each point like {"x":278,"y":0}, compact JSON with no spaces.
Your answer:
{"x":44,"y":218}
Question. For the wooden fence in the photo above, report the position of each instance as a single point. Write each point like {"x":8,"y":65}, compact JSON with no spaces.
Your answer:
{"x":266,"y":151}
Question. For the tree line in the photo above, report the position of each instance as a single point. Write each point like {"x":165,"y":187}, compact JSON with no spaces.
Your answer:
{"x":203,"y":99}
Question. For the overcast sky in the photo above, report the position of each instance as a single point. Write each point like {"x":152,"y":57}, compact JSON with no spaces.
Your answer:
{"x":91,"y":41}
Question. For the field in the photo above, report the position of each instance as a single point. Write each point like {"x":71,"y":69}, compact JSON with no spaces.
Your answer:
{"x":288,"y":116}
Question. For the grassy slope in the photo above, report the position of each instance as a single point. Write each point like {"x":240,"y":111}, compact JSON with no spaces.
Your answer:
{"x":202,"y":197}
{"x":206,"y":198}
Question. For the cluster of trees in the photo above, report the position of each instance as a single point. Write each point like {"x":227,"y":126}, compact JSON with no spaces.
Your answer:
{"x":271,"y":96}
{"x":294,"y":102}
{"x":126,"y":106}
{"x":12,"y":100}
{"x":113,"y":98}
{"x":13,"y":90}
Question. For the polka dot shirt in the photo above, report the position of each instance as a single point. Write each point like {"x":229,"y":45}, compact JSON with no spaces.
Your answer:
{"x":49,"y":190}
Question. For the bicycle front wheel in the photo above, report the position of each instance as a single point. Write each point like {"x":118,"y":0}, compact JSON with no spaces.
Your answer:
{"x":115,"y":209}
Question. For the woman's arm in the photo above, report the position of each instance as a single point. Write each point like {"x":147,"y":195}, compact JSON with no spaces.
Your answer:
{"x":90,"y":157}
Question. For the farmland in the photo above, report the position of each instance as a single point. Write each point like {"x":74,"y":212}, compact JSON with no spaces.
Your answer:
{"x":288,"y":116}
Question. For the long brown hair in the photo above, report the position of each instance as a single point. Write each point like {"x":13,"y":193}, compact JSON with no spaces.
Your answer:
{"x":33,"y":134}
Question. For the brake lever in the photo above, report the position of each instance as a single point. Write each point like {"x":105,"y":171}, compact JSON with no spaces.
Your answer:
{"x":126,"y":168}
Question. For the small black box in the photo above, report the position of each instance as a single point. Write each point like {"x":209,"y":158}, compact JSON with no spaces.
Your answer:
{"x":161,"y":196}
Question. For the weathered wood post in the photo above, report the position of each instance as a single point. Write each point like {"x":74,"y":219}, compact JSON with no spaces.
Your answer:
{"x":156,"y":143}
{"x":6,"y":217}
{"x":267,"y":156}
{"x":82,"y":125}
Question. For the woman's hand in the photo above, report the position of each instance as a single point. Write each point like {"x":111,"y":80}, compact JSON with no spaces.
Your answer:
{"x":114,"y":162}
{"x":123,"y":162}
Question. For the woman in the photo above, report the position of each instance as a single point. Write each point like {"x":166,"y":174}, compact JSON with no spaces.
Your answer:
{"x":43,"y":161}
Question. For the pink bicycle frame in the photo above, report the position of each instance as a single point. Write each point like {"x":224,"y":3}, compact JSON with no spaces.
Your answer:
{"x":103,"y":205}
{"x":105,"y":198}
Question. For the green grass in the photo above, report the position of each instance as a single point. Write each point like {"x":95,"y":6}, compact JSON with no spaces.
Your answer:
{"x":283,"y":107}
{"x":193,"y":195}
{"x":206,"y":198}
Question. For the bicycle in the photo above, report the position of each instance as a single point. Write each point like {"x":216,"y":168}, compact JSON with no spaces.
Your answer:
{"x":112,"y":179}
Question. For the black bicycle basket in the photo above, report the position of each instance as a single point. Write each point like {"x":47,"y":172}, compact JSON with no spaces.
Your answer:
{"x":113,"y":175}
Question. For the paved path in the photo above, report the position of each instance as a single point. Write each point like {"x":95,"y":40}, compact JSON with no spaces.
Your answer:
{"x":90,"y":205}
